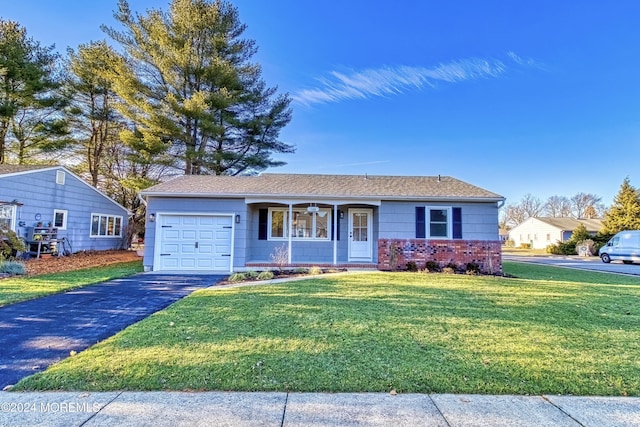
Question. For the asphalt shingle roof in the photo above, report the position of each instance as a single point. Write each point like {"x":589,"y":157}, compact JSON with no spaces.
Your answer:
{"x":569,"y":224}
{"x":303,"y":185}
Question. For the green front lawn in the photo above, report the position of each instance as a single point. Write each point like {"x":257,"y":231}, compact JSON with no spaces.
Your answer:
{"x":16,"y":289}
{"x":550,"y":331}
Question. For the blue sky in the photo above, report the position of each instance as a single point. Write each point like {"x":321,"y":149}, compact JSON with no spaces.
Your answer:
{"x":516,"y":97}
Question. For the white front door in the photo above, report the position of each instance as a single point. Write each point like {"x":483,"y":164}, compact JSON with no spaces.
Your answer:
{"x":360,"y":234}
{"x":194,"y":242}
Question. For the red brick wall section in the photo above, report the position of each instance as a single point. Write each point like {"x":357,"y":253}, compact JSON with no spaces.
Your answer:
{"x":393,"y":254}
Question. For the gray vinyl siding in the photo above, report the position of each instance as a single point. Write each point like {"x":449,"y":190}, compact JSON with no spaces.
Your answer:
{"x":390,"y":220}
{"x":398,"y":219}
{"x":39,"y":193}
{"x":158,"y":205}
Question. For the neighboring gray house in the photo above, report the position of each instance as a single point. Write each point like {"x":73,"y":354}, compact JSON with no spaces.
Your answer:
{"x":53,"y":197}
{"x":541,"y":232}
{"x":228,"y":223}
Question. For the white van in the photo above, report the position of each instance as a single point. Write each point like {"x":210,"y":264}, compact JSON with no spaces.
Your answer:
{"x":624,"y":246}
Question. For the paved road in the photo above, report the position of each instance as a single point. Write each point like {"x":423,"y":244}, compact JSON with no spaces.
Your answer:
{"x":37,"y":333}
{"x":590,"y":263}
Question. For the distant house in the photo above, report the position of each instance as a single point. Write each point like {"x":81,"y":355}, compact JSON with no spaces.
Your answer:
{"x":50,"y":202}
{"x":504,"y":235}
{"x":230,"y":223}
{"x":541,"y":232}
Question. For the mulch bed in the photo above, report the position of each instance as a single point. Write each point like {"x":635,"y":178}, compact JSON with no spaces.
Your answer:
{"x":53,"y":264}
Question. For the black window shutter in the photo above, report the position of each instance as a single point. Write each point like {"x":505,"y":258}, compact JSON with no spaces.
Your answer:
{"x":263,"y":218}
{"x":457,"y":223}
{"x":337,"y":234}
{"x":421,"y":225}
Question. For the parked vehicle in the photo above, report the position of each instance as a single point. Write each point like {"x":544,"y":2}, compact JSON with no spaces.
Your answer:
{"x":624,"y":246}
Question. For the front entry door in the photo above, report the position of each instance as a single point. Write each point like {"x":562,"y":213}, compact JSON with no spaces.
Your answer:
{"x":360,"y":234}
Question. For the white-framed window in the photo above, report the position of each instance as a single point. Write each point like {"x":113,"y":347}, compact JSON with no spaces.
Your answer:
{"x":7,"y":216}
{"x":439,"y":221}
{"x":103,"y":225}
{"x":60,"y":177}
{"x":60,"y":219}
{"x":305,"y":225}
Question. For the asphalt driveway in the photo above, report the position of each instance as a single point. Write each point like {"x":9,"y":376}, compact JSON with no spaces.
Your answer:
{"x":37,"y":333}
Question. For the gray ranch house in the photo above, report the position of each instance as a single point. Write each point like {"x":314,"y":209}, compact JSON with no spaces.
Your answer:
{"x":234,"y":223}
{"x":43,"y":204}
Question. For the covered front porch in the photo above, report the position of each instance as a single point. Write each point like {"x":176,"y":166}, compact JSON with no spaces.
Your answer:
{"x":312,"y":232}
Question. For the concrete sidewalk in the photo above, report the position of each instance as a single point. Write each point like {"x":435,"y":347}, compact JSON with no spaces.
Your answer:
{"x":311,"y":409}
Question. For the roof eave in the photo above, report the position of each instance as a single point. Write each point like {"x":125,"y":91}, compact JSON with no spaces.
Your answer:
{"x":321,"y":196}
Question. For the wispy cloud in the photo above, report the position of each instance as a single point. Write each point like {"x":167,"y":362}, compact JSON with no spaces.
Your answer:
{"x":389,"y":81}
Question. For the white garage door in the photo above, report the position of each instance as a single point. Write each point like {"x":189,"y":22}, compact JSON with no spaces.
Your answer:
{"x":195,"y":242}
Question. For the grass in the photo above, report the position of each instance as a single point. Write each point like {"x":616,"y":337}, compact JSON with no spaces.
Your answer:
{"x":551,"y":330}
{"x":16,"y":289}
{"x":524,"y":252}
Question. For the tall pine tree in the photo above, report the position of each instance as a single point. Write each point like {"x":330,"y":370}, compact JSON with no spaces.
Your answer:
{"x":187,"y":82}
{"x":624,"y":214}
{"x":30,"y":122}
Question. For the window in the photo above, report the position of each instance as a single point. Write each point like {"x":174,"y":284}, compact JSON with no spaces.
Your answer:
{"x":60,"y":219}
{"x":106,"y":225}
{"x":7,"y":216}
{"x":305,"y":225}
{"x":60,"y":177}
{"x":548,"y":237}
{"x":438,"y":222}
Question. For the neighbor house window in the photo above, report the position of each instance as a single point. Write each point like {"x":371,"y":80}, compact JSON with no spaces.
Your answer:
{"x":7,"y":216}
{"x":305,"y":225}
{"x":106,"y":225}
{"x":60,"y":219}
{"x":60,"y":177}
{"x":548,"y":237}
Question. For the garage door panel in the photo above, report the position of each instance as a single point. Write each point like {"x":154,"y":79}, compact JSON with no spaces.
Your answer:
{"x":171,"y":220}
{"x":205,"y":248}
{"x":205,"y":235}
{"x":207,"y":221}
{"x":188,"y":249}
{"x":189,"y":235}
{"x":171,"y":235}
{"x":170,"y":248}
{"x":189,"y":220}
{"x":187,"y":263}
{"x":168,"y":263}
{"x":223,"y":235}
{"x":205,"y":263}
{"x":179,"y":235}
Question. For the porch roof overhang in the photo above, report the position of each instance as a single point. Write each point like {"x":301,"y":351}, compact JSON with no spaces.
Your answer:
{"x":313,"y":199}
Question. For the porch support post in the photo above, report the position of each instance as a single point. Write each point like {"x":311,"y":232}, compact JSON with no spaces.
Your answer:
{"x":335,"y":234}
{"x":290,"y":230}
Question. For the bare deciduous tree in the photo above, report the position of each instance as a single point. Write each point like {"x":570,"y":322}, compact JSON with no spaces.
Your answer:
{"x":557,"y":207}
